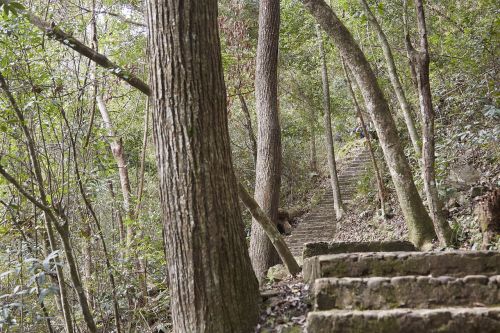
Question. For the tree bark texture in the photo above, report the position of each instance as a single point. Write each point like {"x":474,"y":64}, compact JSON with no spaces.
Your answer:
{"x":270,"y":228}
{"x":213,"y":288}
{"x":268,"y":167}
{"x":421,"y":60}
{"x":332,"y":167}
{"x":394,"y":77}
{"x":421,"y":231}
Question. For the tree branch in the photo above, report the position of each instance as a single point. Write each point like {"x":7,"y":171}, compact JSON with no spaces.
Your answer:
{"x":25,"y":193}
{"x":66,"y":39}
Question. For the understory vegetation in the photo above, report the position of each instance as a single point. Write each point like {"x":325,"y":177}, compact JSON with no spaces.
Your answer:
{"x":80,"y":172}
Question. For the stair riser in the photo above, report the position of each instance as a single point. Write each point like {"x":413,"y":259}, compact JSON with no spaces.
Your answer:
{"x":475,"y":320}
{"x":406,"y":292}
{"x":456,"y":263}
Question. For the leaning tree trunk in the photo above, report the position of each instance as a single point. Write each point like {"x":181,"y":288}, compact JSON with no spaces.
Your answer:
{"x":421,"y":60}
{"x":378,"y":174}
{"x":268,"y":167}
{"x":332,"y":167}
{"x":270,"y":228}
{"x":213,"y":288}
{"x":393,"y":76}
{"x":421,"y":231}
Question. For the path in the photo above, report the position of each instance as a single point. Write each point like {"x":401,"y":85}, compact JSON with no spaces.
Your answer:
{"x":319,"y":224}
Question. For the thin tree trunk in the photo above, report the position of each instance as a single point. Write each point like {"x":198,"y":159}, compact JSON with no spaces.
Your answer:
{"x":378,"y":174}
{"x":100,"y":234}
{"x":140,"y":180}
{"x":121,"y":226}
{"x":63,"y":231}
{"x":213,"y":288}
{"x":332,"y":167}
{"x":270,"y":228}
{"x":248,"y":126}
{"x":313,"y":160}
{"x":268,"y":167}
{"x":116,"y":145}
{"x":421,"y":60}
{"x":393,"y":76}
{"x":421,"y":231}
{"x":408,"y":45}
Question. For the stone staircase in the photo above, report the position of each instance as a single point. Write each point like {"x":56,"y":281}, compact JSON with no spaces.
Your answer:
{"x":410,"y":292}
{"x":319,"y":224}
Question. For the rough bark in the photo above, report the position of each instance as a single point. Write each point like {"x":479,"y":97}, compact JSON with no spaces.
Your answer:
{"x":248,"y":126}
{"x":421,"y":231}
{"x":421,"y":60}
{"x":394,"y":78}
{"x":213,"y":288}
{"x":332,"y":167}
{"x":378,"y":175}
{"x":270,"y":228}
{"x":268,"y":167}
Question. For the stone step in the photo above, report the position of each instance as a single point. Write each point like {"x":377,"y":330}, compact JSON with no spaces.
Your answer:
{"x":378,"y":293}
{"x":321,"y":248}
{"x":314,"y":228}
{"x":453,"y":263}
{"x":449,"y":320}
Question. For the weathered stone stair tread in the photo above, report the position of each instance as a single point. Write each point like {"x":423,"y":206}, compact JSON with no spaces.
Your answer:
{"x":322,"y":248}
{"x":453,"y":263}
{"x":449,"y":320}
{"x":377,"y":293}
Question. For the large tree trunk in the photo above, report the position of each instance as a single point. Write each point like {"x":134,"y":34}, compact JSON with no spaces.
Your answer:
{"x":213,"y":288}
{"x":332,"y":167}
{"x":393,"y":76}
{"x":421,"y":61}
{"x":268,"y":168}
{"x":421,"y":231}
{"x":378,"y":174}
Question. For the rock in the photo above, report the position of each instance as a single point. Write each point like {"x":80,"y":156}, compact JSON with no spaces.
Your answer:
{"x":365,"y":214}
{"x":287,"y":228}
{"x":477,"y":191}
{"x":277,"y":273}
{"x":464,"y":175}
